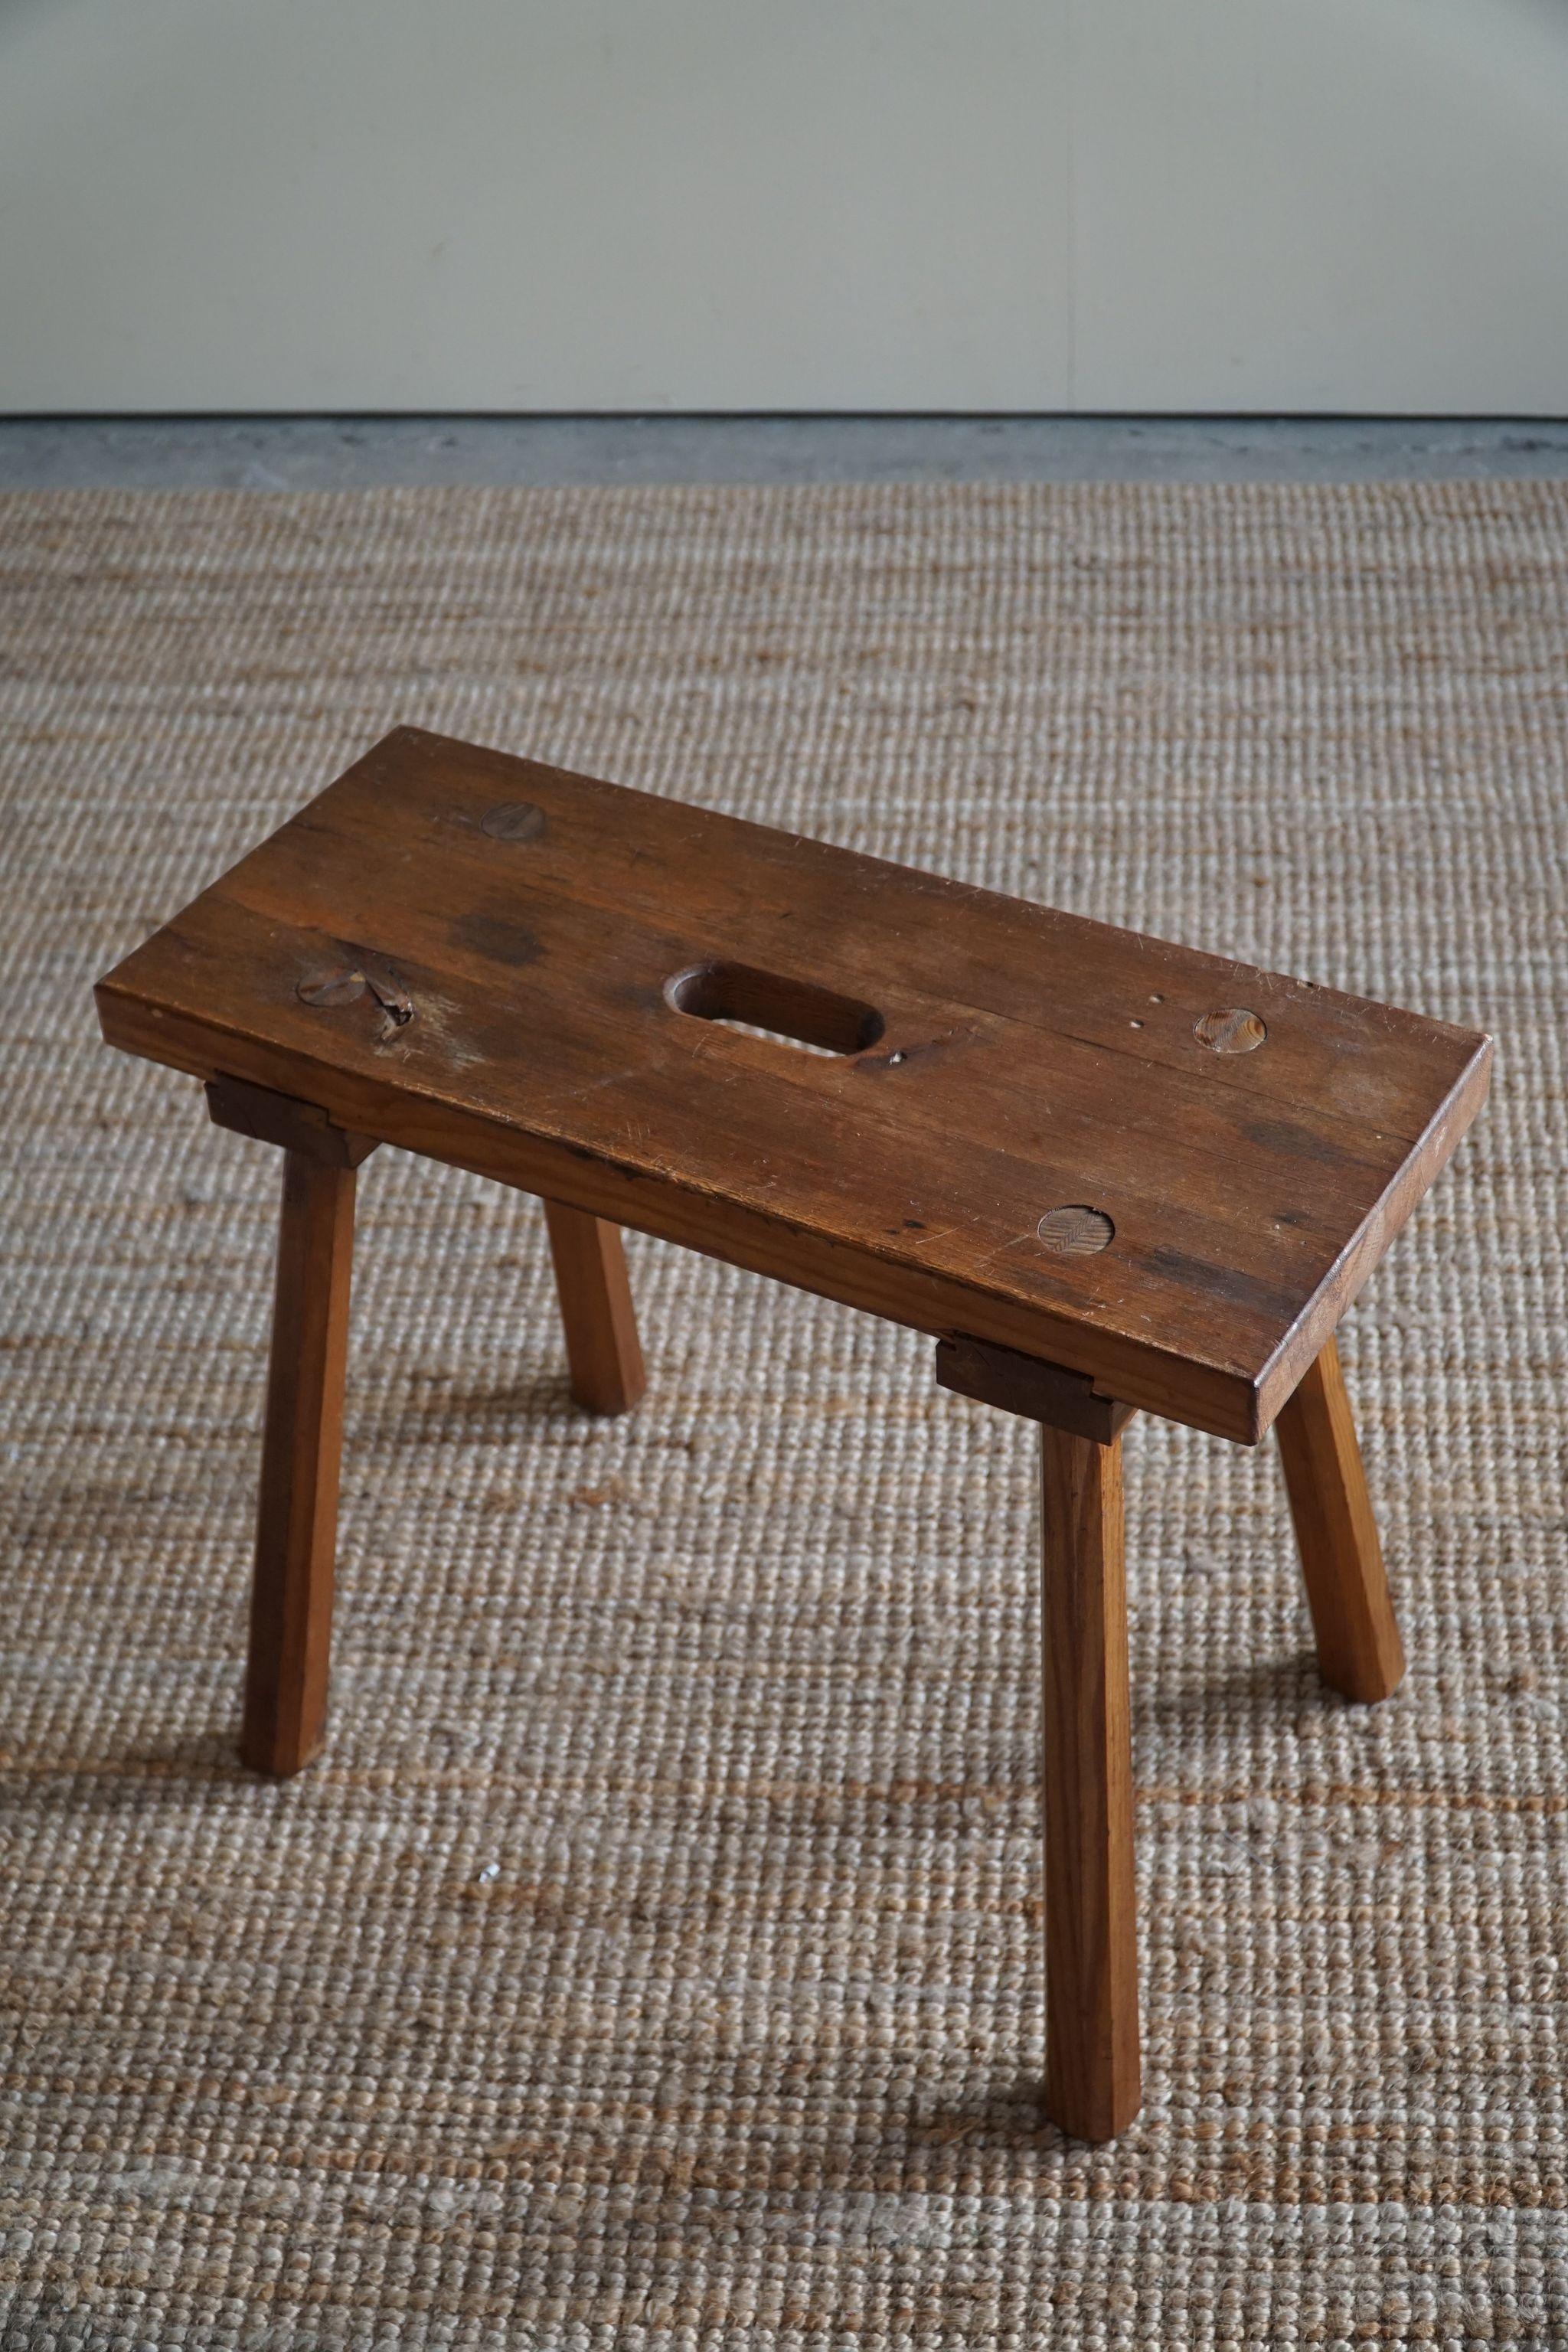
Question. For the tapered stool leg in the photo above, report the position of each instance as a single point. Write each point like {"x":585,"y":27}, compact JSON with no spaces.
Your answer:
{"x":1092,"y":2072}
{"x":596,"y":1311}
{"x":291,"y":1599}
{"x":1359,"y":1647}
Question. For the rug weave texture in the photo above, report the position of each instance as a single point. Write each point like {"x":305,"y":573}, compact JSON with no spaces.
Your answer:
{"x":654,"y":1958}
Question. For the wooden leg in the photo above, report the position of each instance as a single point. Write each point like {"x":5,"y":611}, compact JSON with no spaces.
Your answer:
{"x":1359,"y":1647}
{"x":596,"y":1309}
{"x":291,"y":1600}
{"x":1092,"y":2078}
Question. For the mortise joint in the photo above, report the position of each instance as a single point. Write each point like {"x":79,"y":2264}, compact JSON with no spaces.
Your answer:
{"x":270,"y":1117}
{"x":1027,"y":1386}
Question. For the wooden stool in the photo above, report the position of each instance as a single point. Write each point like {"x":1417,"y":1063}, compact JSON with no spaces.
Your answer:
{"x":1104,"y":1172}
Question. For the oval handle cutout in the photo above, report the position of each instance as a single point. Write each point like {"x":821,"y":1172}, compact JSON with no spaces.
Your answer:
{"x":794,"y":1011}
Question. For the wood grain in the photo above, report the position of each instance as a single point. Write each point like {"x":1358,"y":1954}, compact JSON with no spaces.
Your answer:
{"x":1092,"y":2068}
{"x":1013,"y":1060}
{"x":291,"y":1597}
{"x":1359,"y":1648}
{"x":600,"y":1321}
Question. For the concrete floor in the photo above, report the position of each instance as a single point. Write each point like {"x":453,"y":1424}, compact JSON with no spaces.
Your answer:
{"x":347,"y":452}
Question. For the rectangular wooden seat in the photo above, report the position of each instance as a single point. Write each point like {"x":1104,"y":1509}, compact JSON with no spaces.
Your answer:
{"x":1103,"y":1171}
{"x":1155,"y":1167}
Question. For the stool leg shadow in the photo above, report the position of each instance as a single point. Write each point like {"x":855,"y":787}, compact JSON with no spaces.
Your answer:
{"x":291,"y":1598}
{"x":1359,"y":1648}
{"x":602,"y":1346}
{"x":1092,"y":2063}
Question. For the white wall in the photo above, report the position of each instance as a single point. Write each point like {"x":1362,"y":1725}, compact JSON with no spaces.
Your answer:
{"x":1333,"y":204}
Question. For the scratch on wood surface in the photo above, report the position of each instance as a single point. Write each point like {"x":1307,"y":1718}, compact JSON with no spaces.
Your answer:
{"x":436,"y":1033}
{"x":596,"y":1085}
{"x":1013,"y":1242}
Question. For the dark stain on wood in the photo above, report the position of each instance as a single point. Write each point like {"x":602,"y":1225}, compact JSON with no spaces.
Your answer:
{"x":1226,"y":1285}
{"x":1291,"y":1138}
{"x":500,"y":939}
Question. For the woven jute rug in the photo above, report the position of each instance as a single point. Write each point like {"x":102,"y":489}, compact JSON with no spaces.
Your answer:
{"x":654,"y":1958}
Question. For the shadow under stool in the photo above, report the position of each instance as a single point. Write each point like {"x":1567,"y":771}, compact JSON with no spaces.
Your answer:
{"x":1107,"y":1174}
